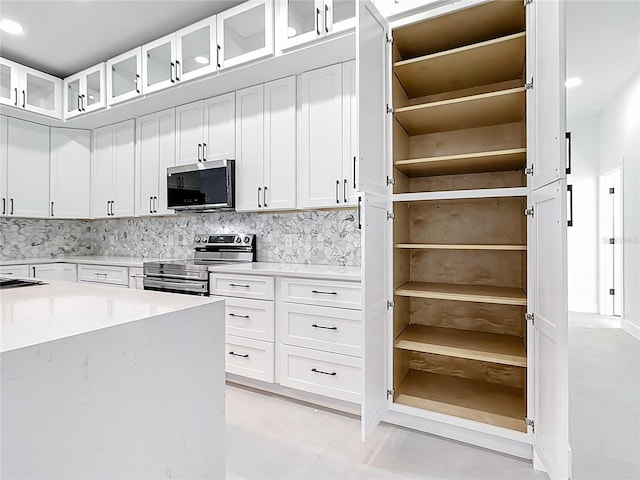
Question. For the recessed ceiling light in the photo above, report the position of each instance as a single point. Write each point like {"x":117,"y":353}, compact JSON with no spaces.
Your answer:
{"x":9,"y":26}
{"x":291,"y":32}
{"x":202,"y":60}
{"x":573,"y":82}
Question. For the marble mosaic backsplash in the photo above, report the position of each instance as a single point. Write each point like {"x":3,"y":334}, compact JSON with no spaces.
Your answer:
{"x":315,"y":237}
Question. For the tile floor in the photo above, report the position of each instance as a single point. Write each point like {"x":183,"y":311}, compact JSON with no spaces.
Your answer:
{"x":272,"y":437}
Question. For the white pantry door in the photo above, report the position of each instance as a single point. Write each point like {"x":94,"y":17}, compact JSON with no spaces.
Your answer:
{"x":372,"y":79}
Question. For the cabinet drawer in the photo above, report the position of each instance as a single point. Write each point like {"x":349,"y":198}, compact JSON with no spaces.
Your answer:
{"x":249,"y":318}
{"x":245,"y":286}
{"x":324,"y":328}
{"x":104,"y":274}
{"x":15,"y":270}
{"x":330,"y":374}
{"x":329,"y":293}
{"x":249,"y":358}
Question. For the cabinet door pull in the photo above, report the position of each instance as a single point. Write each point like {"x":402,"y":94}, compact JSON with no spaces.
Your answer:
{"x":199,"y":152}
{"x":345,"y":190}
{"x":112,"y":202}
{"x":337,"y":191}
{"x":16,"y":90}
{"x":137,"y":83}
{"x":259,"y":190}
{"x":264,"y":197}
{"x":84,"y":103}
{"x":173,"y":72}
{"x":177,"y":70}
{"x":11,"y":201}
{"x":52,"y":209}
{"x":79,"y":103}
{"x":24,"y":99}
{"x":567,"y":137}
{"x":326,"y":15}
{"x":4,"y":206}
{"x":324,"y":293}
{"x":150,"y":204}
{"x":239,"y":285}
{"x":238,"y":316}
{"x":326,"y":328}
{"x":318,"y":21}
{"x":570,"y":193}
{"x":97,"y":274}
{"x":34,"y":271}
{"x":204,"y":152}
{"x":354,"y":172}
{"x":359,"y":205}
{"x":315,"y":370}
{"x":155,"y":204}
{"x":246,"y":355}
{"x":218,"y":56}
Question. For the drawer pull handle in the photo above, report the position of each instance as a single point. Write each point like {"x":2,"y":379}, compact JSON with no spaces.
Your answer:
{"x":100,"y":274}
{"x":315,"y":370}
{"x":324,"y":293}
{"x":326,"y":328}
{"x":239,"y":316}
{"x":239,"y":285}
{"x":246,"y":355}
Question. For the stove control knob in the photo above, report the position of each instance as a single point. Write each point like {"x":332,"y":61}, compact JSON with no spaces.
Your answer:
{"x":246,"y":239}
{"x":198,"y":239}
{"x":238,"y":240}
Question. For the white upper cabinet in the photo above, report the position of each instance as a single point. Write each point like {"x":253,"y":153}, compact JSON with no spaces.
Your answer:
{"x":245,"y":33}
{"x":196,"y":49}
{"x":159,"y":64}
{"x":29,"y":89}
{"x":302,"y":21}
{"x":84,"y":92}
{"x":112,"y":170}
{"x":205,"y":130}
{"x":155,"y":147}
{"x":124,"y":76}
{"x":70,"y":173}
{"x":27,"y":169}
{"x":349,"y":137}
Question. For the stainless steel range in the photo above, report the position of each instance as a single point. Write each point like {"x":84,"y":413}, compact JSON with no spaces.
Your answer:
{"x":192,"y":276}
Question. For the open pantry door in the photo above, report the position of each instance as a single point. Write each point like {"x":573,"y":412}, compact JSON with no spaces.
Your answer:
{"x":376,"y":251}
{"x":373,"y":73}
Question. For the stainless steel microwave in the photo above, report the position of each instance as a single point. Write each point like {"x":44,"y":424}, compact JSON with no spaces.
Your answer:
{"x":205,"y":186}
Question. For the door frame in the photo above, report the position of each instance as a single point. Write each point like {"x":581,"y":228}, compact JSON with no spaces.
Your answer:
{"x":612,"y":178}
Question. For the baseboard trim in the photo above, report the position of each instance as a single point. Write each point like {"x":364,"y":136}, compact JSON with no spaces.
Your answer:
{"x":631,"y":328}
{"x":583,"y":307}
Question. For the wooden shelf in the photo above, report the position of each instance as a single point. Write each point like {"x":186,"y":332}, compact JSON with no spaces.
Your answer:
{"x":493,"y":108}
{"x":452,"y":246}
{"x":497,"y":160}
{"x":471,"y":399}
{"x":463,"y":293}
{"x":487,"y":347}
{"x":492,"y":61}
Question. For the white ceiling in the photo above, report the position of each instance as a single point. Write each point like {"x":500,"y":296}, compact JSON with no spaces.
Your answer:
{"x":603,"y":48}
{"x":63,"y":37}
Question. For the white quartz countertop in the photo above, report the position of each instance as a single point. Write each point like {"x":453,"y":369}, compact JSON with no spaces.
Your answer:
{"x":326,"y":272}
{"x":37,"y":314}
{"x":86,"y":259}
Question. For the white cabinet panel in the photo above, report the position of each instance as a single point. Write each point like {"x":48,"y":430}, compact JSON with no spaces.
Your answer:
{"x":155,"y":149}
{"x":220,"y":127}
{"x":68,"y":272}
{"x":28,"y":169}
{"x":249,"y":318}
{"x":54,"y":271}
{"x":189,"y":133}
{"x":349,"y":137}
{"x":158,"y":64}
{"x":4,"y":164}
{"x":104,"y":274}
{"x":244,"y":286}
{"x":101,"y":172}
{"x":321,"y":137}
{"x":84,"y":92}
{"x":196,"y":49}
{"x":9,"y":82}
{"x":330,"y":293}
{"x":124,"y":76}
{"x":70,"y":173}
{"x":25,"y":88}
{"x":249,"y":358}
{"x":14,"y":270}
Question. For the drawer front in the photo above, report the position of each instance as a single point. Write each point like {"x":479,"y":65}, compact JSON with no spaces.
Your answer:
{"x":245,"y":286}
{"x":104,"y":274}
{"x":249,"y":318}
{"x":328,"y":293}
{"x":329,"y":374}
{"x":249,"y":358}
{"x":334,"y":330}
{"x":15,"y":270}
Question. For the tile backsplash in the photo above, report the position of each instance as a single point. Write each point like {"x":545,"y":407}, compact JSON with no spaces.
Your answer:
{"x":315,"y":237}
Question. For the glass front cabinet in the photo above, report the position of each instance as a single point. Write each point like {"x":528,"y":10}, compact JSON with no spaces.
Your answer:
{"x":124,"y":76}
{"x":29,"y":89}
{"x":302,"y":21}
{"x":84,"y":92}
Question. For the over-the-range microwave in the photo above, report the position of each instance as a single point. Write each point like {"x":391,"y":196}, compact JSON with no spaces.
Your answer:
{"x":204,"y":186}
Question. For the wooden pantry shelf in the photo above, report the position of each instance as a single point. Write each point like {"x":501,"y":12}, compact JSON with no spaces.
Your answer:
{"x":463,"y":293}
{"x":472,"y":345}
{"x":493,"y":108}
{"x":477,"y":162}
{"x":456,"y":246}
{"x":471,"y":399}
{"x":493,"y":61}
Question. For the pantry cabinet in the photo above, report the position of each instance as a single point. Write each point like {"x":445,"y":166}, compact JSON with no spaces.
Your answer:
{"x":302,"y":21}
{"x":471,"y":299}
{"x":85,"y":92}
{"x":124,"y":76}
{"x":70,"y":181}
{"x":27,"y":169}
{"x":266,"y":146}
{"x":155,"y":147}
{"x":112,"y":170}
{"x":205,"y":130}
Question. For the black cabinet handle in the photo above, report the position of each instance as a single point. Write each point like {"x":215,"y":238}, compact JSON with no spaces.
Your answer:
{"x":16,"y":90}
{"x":79,"y":103}
{"x":570,"y":194}
{"x":324,"y":293}
{"x":238,"y":316}
{"x":172,"y":73}
{"x":84,"y":103}
{"x":315,"y":370}
{"x":264,"y":197}
{"x":239,"y":285}
{"x":318,"y":21}
{"x":326,"y":24}
{"x":137,"y":83}
{"x":24,"y":99}
{"x":204,"y":152}
{"x":218,"y":56}
{"x":52,"y":209}
{"x":177,"y":70}
{"x":155,"y":204}
{"x":199,"y":152}
{"x":359,"y":205}
{"x":150,"y":204}
{"x":246,"y":355}
{"x":4,"y":206}
{"x":354,"y":172}
{"x":337,"y":191}
{"x":567,"y":137}
{"x":326,"y":328}
{"x":259,"y":190}
{"x":11,"y":207}
{"x":345,"y":190}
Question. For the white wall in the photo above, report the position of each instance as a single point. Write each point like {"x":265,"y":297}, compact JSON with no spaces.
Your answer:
{"x":620,"y":146}
{"x":582,"y":237}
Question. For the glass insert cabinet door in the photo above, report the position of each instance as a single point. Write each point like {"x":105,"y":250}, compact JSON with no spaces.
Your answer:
{"x":196,"y":50}
{"x":245,"y":33}
{"x":40,"y":93}
{"x":158,"y":65}
{"x":84,"y":92}
{"x":124,"y":76}
{"x":9,"y":80}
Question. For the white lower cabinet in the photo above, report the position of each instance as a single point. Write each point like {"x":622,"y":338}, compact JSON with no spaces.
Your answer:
{"x":249,"y":318}
{"x":136,"y":277}
{"x":104,"y":274}
{"x":249,"y":358}
{"x":14,"y":270}
{"x":54,"y":271}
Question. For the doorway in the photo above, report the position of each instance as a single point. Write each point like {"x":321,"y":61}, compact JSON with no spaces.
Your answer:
{"x":611,"y":251}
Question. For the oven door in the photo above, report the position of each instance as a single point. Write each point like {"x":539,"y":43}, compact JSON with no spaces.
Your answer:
{"x":206,"y":185}
{"x":177,"y":285}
